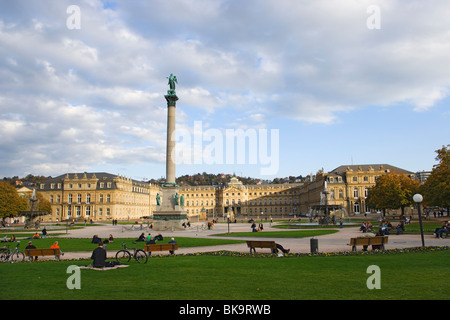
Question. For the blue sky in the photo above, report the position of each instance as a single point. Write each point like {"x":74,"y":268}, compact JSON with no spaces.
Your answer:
{"x":91,"y":98}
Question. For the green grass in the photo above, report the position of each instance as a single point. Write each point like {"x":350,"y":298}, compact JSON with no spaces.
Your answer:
{"x":403,"y":276}
{"x":280,"y":234}
{"x":79,"y":244}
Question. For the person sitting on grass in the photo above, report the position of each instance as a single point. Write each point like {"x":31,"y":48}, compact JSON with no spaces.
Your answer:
{"x":96,"y":239}
{"x":141,"y":237}
{"x":99,"y":256}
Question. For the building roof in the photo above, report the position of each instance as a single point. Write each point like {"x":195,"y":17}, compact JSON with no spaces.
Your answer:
{"x":367,"y":167}
{"x":101,"y":176}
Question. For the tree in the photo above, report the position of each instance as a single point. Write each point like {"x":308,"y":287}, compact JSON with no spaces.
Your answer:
{"x":436,"y":190}
{"x":393,"y":191}
{"x":10,"y":201}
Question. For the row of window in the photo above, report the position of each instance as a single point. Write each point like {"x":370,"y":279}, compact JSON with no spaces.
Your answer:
{"x":79,"y":185}
{"x":79,"y":200}
{"x":238,"y":202}
{"x":87,"y":211}
{"x":355,"y":193}
{"x":354,"y":179}
{"x":250,"y":210}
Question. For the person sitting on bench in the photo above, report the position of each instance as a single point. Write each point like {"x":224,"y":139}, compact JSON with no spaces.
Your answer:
{"x":280,"y":247}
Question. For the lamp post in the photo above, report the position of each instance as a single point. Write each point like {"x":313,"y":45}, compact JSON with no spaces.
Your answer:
{"x":228,"y":218}
{"x":418,"y":199}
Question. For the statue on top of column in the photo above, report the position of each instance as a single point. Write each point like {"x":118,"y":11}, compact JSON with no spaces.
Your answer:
{"x":172,"y":81}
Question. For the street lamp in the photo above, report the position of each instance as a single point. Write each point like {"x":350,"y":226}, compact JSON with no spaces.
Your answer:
{"x":418,"y":199}
{"x":228,"y":218}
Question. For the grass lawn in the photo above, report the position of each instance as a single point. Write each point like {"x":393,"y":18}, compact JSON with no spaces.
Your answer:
{"x":280,"y":234}
{"x":80,"y":244}
{"x":418,"y":275}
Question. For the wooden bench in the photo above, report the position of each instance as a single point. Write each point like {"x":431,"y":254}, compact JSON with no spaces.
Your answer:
{"x":368,"y":241}
{"x":261,"y":244}
{"x":43,"y":252}
{"x":161,"y":247}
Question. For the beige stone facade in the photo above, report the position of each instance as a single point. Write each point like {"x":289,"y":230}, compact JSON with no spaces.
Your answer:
{"x":98,"y":196}
{"x":103,"y":196}
{"x":241,"y":200}
{"x":347,"y":186}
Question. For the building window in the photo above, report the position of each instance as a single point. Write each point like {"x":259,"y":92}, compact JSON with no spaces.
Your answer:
{"x":356,"y":207}
{"x":70,"y":198}
{"x":101,"y":198}
{"x":88,"y":198}
{"x":88,"y":211}
{"x":79,"y":198}
{"x":341,"y":194}
{"x":355,"y":193}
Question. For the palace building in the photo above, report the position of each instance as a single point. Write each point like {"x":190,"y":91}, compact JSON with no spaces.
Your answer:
{"x":97,"y":196}
{"x":102,"y":196}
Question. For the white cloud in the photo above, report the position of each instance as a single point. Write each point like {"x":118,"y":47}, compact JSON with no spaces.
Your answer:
{"x":72,"y":98}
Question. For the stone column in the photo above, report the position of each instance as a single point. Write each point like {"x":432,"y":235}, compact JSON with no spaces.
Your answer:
{"x":169,"y":213}
{"x":170,"y":151}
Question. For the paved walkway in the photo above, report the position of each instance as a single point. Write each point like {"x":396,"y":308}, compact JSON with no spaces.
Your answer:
{"x":336,"y":242}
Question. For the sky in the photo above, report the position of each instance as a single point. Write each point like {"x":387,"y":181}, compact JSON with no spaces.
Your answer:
{"x":266,"y":88}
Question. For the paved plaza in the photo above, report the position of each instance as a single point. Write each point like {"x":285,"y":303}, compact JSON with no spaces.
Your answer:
{"x":335,"y":242}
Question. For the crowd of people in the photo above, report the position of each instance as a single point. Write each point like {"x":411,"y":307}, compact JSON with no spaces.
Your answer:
{"x":99,"y":254}
{"x":385,"y":227}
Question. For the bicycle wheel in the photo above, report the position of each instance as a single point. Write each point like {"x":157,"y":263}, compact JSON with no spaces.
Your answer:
{"x":3,"y":257}
{"x":141,"y":256}
{"x":17,"y":257}
{"x":123,"y":256}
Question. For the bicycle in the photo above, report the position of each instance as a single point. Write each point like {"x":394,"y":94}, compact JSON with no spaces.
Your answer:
{"x":12,"y":255}
{"x":125,"y":255}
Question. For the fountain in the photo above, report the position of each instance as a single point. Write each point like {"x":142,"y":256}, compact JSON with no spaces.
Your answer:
{"x":34,"y":212}
{"x":327,"y":214}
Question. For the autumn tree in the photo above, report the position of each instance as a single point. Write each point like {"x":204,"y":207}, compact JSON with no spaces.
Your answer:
{"x":10,"y":201}
{"x":393,"y":191}
{"x":436,"y":190}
